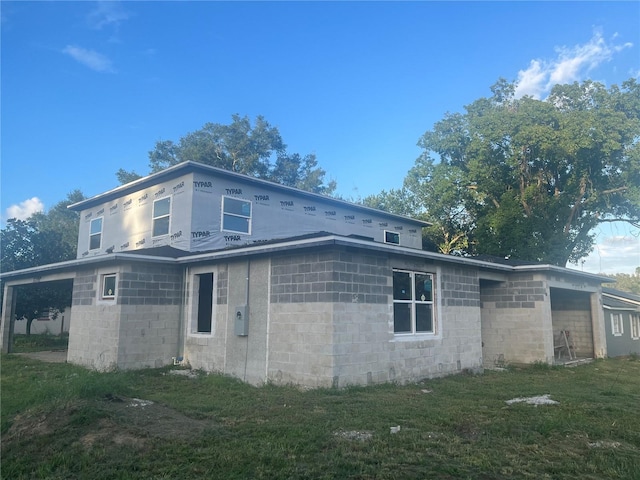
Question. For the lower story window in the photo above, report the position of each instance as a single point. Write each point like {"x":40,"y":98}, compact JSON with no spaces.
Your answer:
{"x":109,"y":286}
{"x":413,"y":306}
{"x":204,"y":315}
{"x":616,"y":324}
{"x":635,"y":326}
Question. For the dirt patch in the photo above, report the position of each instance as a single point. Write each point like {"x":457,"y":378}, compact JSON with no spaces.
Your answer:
{"x":109,"y":432}
{"x":155,"y":420}
{"x":112,"y":420}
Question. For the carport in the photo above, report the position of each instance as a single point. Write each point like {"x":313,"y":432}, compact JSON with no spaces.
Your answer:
{"x":525,"y":314}
{"x":12,"y":283}
{"x":572,"y":320}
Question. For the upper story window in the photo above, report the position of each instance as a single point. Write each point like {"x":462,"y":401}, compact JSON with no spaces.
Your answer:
{"x":391,"y":237}
{"x":161,"y":216}
{"x":413,"y":306}
{"x":236,"y":215}
{"x":95,"y":234}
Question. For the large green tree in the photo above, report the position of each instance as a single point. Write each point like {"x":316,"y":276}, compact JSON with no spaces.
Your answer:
{"x":531,"y":178}
{"x":256,"y":150}
{"x":41,"y":239}
{"x":627,"y":282}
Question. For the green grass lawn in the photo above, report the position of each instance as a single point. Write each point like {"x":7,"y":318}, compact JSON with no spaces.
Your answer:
{"x":40,"y":342}
{"x":64,"y":422}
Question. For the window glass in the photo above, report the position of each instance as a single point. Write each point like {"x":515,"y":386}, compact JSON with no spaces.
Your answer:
{"x":635,"y":326}
{"x":402,"y":317}
{"x":236,"y":224}
{"x":95,"y":233}
{"x":96,"y":225}
{"x":413,"y":309}
{"x":205,"y":303}
{"x":161,"y":216}
{"x":236,"y":215}
{"x":616,"y":324}
{"x":424,"y":318}
{"x":237,"y":207}
{"x":423,"y":287}
{"x":160,"y":226}
{"x":392,"y":237}
{"x":161,"y":207}
{"x":401,"y":286}
{"x":109,"y":286}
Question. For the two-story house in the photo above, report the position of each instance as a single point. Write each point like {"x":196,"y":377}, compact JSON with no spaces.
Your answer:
{"x":269,"y":283}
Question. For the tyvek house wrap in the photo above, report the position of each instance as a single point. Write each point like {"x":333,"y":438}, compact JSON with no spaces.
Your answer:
{"x":280,"y":214}
{"x":196,"y":217}
{"x":127,"y":222}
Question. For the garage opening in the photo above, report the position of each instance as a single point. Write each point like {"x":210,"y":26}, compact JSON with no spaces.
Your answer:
{"x":572,"y":322}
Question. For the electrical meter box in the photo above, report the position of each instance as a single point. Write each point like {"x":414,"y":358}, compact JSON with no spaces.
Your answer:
{"x":241,"y":322}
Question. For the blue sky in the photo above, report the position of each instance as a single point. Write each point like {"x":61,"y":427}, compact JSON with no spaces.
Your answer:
{"x":89,"y":87}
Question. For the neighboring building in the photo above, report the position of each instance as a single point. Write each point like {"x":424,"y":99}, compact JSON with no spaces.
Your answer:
{"x":268,"y":283}
{"x":51,"y":323}
{"x":622,"y":322}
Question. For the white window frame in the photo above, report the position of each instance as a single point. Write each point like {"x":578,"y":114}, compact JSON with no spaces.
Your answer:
{"x":192,"y":306}
{"x":103,"y":281}
{"x":223,"y":214}
{"x":391,"y":233}
{"x":166,"y":215}
{"x":435,"y":330}
{"x":617,"y":326}
{"x":91,"y":235}
{"x":634,"y":319}
{"x":101,"y":299}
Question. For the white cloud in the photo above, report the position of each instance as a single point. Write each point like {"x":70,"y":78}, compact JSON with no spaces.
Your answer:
{"x":107,"y":14}
{"x":532,"y":80}
{"x":614,"y":254}
{"x":89,"y":58}
{"x":25,"y":209}
{"x":570,"y":65}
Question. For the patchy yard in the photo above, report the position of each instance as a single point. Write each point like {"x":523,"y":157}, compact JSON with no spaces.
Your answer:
{"x":61,"y":421}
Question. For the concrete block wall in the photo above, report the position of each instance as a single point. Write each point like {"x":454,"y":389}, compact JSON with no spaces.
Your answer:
{"x":457,"y":345}
{"x":150,"y":298}
{"x":343,"y":335}
{"x":138,"y":329}
{"x":94,"y":334}
{"x":301,"y":344}
{"x":149,"y":284}
{"x":516,"y":321}
{"x":361,"y":344}
{"x":304,"y":291}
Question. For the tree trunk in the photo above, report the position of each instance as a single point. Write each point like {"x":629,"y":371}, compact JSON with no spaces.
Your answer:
{"x":29,"y":321}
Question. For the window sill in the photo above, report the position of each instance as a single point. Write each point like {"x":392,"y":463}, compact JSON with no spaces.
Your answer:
{"x":414,"y":337}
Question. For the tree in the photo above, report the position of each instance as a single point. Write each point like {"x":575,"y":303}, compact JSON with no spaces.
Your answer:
{"x":256,"y":150}
{"x":41,"y":239}
{"x":125,"y":176}
{"x":531,"y":178}
{"x":626,"y":282}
